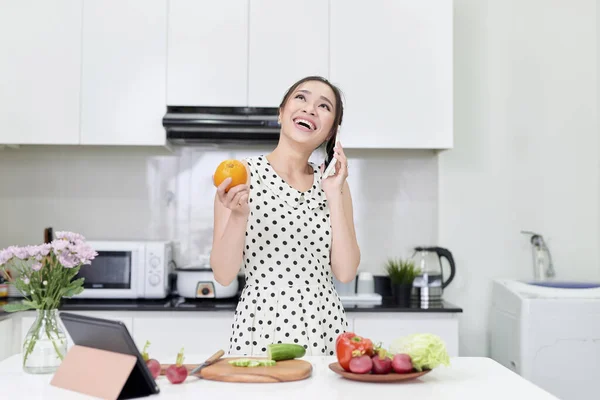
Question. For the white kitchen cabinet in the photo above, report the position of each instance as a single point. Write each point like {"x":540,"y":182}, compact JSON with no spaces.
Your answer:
{"x":124,"y":72}
{"x":385,"y":327}
{"x":6,"y":338}
{"x":207,"y":53}
{"x":40,"y":43}
{"x":393,"y":62}
{"x":287,"y":41}
{"x":196,"y":332}
{"x":200,"y":332}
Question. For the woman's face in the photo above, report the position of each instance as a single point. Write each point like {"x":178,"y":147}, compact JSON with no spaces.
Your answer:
{"x":308,"y":114}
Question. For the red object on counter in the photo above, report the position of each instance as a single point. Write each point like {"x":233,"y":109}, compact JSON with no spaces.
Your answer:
{"x":349,"y":345}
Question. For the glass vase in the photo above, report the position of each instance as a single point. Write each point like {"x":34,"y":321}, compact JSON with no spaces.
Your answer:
{"x":45,"y":344}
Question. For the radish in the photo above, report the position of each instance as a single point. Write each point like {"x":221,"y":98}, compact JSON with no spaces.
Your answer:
{"x":152,"y":364}
{"x":402,"y":364}
{"x":177,"y":373}
{"x":382,"y":364}
{"x":361,"y":365}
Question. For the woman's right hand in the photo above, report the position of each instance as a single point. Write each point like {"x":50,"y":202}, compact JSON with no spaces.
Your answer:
{"x":236,"y":199}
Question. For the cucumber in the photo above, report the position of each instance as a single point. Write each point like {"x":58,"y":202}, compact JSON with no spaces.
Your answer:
{"x":240,"y":362}
{"x":285,"y":351}
{"x":254,"y":363}
{"x":245,"y":362}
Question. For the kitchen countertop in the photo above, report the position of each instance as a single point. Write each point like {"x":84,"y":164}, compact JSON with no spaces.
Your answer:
{"x":176,"y":303}
{"x":466,"y":378}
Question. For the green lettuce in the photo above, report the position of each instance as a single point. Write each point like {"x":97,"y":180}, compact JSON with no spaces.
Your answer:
{"x":426,"y":350}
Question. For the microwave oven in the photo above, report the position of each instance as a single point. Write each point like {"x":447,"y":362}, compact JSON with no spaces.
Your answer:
{"x":127,"y":270}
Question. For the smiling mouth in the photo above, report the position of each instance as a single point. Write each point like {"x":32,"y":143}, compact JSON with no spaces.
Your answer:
{"x":305,"y":124}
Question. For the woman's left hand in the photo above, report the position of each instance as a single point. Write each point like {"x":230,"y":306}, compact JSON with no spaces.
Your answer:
{"x":334,"y":184}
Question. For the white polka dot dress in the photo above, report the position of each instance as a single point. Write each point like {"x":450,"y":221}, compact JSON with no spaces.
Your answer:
{"x":289,"y":295}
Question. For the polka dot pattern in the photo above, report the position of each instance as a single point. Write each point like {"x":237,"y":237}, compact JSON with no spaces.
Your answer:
{"x":289,"y":296}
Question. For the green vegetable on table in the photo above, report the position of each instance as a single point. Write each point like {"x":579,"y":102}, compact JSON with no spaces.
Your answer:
{"x":285,"y":351}
{"x":275,"y":352}
{"x":247,"y":362}
{"x":427,"y":351}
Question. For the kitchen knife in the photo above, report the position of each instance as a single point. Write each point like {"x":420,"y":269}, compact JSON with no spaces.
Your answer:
{"x":208,"y":362}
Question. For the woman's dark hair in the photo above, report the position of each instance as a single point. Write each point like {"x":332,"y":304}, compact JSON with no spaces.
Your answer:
{"x":339,"y":107}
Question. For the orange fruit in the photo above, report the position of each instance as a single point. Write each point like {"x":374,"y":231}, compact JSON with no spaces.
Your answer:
{"x":233,"y":169}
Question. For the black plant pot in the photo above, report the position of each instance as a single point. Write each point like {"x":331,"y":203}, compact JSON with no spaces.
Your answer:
{"x":401,"y":293}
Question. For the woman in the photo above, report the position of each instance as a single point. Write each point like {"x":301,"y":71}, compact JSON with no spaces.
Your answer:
{"x":291,"y":229}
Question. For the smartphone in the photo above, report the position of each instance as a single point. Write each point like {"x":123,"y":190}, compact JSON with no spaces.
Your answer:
{"x":330,"y":163}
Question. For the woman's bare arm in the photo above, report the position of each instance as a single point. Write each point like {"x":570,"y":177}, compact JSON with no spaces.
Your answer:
{"x":231,"y":212}
{"x":345,"y":252}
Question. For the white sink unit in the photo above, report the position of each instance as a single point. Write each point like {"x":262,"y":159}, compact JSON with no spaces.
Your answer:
{"x":550,"y":335}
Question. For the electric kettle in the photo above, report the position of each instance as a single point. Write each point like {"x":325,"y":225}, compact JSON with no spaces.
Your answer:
{"x":429,"y":284}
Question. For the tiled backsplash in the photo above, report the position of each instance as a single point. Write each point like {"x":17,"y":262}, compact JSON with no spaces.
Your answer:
{"x":145,"y":193}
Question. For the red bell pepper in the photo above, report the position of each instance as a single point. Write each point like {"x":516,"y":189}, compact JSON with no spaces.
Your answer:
{"x":349,"y":345}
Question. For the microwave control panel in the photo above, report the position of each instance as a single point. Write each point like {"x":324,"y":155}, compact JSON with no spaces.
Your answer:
{"x":157,"y":269}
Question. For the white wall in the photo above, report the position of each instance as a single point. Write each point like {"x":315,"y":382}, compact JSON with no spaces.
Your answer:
{"x":100,"y":192}
{"x":526,"y":148}
{"x":136,"y":193}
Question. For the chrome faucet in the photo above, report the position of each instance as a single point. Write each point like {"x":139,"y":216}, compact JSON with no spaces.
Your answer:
{"x":543,"y":268}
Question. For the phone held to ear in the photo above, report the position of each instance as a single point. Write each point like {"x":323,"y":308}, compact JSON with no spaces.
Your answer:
{"x":330,"y":163}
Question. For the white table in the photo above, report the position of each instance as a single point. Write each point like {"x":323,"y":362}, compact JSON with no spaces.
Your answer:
{"x":466,"y":379}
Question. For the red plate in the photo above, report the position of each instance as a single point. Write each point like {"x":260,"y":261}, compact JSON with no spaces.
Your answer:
{"x":391,"y":377}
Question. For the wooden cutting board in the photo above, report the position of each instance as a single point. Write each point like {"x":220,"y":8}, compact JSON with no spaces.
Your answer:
{"x":283,"y":371}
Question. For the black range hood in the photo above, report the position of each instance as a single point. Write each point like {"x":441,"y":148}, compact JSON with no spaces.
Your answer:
{"x":197,"y":125}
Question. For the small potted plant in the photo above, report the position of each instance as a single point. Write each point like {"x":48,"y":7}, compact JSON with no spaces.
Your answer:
{"x":402,"y":274}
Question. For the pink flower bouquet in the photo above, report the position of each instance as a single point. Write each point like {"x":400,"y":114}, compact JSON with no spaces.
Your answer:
{"x":44,"y":273}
